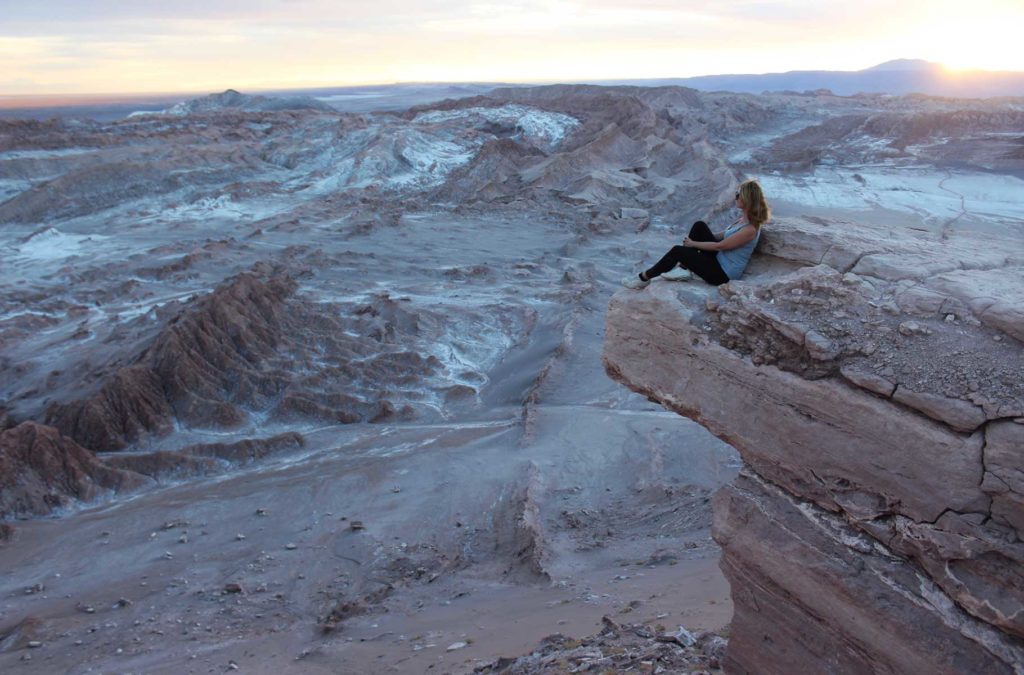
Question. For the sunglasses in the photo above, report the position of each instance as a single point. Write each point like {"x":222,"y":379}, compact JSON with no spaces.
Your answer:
{"x":737,"y":195}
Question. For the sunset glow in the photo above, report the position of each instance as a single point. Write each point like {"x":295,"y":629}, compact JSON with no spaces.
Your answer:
{"x":68,"y":47}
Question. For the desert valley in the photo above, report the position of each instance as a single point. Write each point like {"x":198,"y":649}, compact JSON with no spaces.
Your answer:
{"x":286,"y":387}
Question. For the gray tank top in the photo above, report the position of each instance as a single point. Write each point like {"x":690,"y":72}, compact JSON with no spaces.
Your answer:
{"x":734,"y":261}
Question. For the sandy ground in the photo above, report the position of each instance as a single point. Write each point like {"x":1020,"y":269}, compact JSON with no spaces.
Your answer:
{"x":178,"y":616}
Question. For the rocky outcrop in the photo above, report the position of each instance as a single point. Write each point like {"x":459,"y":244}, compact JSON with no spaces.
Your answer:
{"x":871,"y":136}
{"x":231,"y":100}
{"x":492,"y":174}
{"x":88,"y":190}
{"x":519,"y":531}
{"x":878,"y":405}
{"x":631,"y":148}
{"x":252,"y":346}
{"x":618,"y":648}
{"x":207,"y":360}
{"x":41,"y":470}
{"x":813,"y":594}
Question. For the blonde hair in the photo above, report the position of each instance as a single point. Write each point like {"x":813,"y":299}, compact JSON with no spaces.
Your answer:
{"x":754,"y":204}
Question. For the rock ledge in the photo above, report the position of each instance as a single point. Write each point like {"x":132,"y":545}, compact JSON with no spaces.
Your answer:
{"x":878,"y":404}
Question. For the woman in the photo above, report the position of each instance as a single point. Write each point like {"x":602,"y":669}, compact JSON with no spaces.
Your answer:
{"x":715,"y":259}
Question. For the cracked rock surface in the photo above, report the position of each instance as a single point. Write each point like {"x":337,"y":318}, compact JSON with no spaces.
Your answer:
{"x":872,"y":381}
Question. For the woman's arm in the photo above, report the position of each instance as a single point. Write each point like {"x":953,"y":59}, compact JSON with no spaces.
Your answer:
{"x":735,"y":240}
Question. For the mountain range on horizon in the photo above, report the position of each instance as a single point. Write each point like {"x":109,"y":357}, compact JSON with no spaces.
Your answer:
{"x":896,"y":77}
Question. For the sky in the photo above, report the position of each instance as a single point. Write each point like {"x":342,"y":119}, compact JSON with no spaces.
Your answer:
{"x":149,"y":46}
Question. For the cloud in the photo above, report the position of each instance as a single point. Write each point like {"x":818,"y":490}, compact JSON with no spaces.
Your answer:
{"x":74,"y":16}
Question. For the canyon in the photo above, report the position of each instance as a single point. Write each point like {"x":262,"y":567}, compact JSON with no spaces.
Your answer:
{"x":285,"y":387}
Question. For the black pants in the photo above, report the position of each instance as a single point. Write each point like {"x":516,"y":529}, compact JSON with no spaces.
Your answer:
{"x":702,"y":263}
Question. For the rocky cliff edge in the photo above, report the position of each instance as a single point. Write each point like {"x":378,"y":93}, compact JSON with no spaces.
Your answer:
{"x":873,"y":381}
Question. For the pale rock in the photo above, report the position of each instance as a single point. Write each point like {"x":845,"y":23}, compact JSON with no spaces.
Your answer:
{"x":898,"y":266}
{"x":920,"y":301}
{"x":820,"y":347}
{"x":809,"y":243}
{"x":628,"y":213}
{"x":995,"y":296}
{"x":960,"y":415}
{"x":869,"y":381}
{"x":909,"y":328}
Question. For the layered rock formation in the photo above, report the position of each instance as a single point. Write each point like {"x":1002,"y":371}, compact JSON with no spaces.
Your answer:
{"x":876,"y":136}
{"x":249,"y":347}
{"x":876,"y":395}
{"x":42,"y":470}
{"x":205,"y":458}
{"x":206,"y":360}
{"x":249,"y":355}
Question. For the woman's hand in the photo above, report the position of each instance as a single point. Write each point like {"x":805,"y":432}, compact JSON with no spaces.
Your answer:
{"x":702,"y":245}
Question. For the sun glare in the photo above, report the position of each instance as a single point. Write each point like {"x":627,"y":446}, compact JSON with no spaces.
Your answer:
{"x":969,"y":43}
{"x":973,"y":62}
